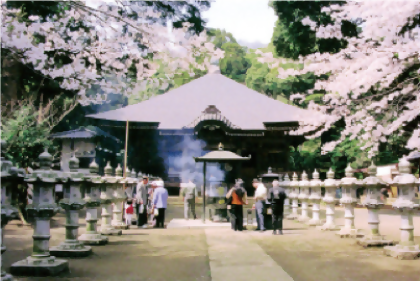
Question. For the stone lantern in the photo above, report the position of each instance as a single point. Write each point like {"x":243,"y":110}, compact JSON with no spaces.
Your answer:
{"x":373,"y":203}
{"x":304,"y":185}
{"x":42,"y":208}
{"x":118,"y":200}
{"x":93,"y":200}
{"x":330,"y":185}
{"x":294,"y":184}
{"x":315,"y":198}
{"x":286,"y":185}
{"x":6,"y":208}
{"x":72,"y":203}
{"x":131,"y":182}
{"x":349,"y":185}
{"x":406,"y":182}
{"x":107,"y":198}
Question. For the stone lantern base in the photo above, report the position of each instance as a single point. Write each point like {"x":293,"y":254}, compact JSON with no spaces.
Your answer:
{"x":374,"y":240}
{"x":328,"y":227}
{"x":39,"y":267}
{"x":315,"y":222}
{"x":120,"y":226}
{"x":93,"y":239}
{"x":71,"y":250}
{"x":111,"y":231}
{"x":403,"y":252}
{"x":350,"y":232}
{"x":292,"y":216}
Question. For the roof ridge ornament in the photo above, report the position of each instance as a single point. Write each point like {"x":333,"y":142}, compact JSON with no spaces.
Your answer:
{"x":212,"y":113}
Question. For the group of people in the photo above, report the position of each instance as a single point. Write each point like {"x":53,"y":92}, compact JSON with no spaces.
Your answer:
{"x":275,"y":196}
{"x":149,"y":201}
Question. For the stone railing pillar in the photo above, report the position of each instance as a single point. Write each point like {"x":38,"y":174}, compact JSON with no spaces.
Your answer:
{"x":330,"y":185}
{"x":93,"y":201}
{"x":349,"y":185}
{"x":303,"y":197}
{"x":286,"y":185}
{"x":43,"y":207}
{"x":72,"y":203}
{"x":119,"y":198}
{"x":373,"y":203}
{"x":315,"y":198}
{"x":406,"y":182}
{"x":7,"y":211}
{"x":294,"y":184}
{"x":107,"y":198}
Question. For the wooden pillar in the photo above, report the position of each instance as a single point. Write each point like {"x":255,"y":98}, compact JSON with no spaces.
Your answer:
{"x":204,"y":192}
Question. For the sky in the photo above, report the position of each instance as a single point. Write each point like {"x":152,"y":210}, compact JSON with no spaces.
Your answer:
{"x":251,"y":22}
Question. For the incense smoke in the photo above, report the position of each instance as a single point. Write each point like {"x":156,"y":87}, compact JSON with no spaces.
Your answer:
{"x":182,"y":163}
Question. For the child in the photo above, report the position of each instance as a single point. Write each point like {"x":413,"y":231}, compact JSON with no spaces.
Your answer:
{"x":129,"y":210}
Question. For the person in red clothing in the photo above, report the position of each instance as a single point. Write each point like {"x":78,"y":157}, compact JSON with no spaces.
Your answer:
{"x":129,"y":210}
{"x":236,"y":199}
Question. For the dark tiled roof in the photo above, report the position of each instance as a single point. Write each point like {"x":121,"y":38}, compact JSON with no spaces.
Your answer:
{"x":231,"y":102}
{"x":83,"y":133}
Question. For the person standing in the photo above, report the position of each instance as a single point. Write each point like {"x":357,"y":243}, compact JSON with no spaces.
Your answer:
{"x":276,"y":196}
{"x":189,"y":194}
{"x":260,"y":196}
{"x":140,"y":193}
{"x":237,"y":198}
{"x":160,"y":202}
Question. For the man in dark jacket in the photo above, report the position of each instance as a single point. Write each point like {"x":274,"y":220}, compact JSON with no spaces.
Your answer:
{"x":276,"y":196}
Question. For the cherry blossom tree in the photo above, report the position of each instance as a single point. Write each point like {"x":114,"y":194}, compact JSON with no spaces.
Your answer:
{"x":372,"y":82}
{"x":113,"y":46}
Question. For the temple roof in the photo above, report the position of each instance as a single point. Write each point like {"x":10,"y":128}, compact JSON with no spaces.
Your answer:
{"x":83,"y":133}
{"x":212,"y":96}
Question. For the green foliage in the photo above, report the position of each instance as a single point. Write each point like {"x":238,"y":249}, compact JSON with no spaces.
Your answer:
{"x":25,"y":135}
{"x":219,"y":37}
{"x":235,"y":64}
{"x":291,"y":38}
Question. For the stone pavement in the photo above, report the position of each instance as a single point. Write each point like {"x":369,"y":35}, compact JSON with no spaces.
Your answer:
{"x":302,"y":254}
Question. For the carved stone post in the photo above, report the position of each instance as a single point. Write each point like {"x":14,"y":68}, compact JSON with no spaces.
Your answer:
{"x":406,"y":249}
{"x":330,"y":185}
{"x":72,"y":203}
{"x":304,"y":196}
{"x":6,"y":208}
{"x":92,"y":199}
{"x":294,"y":184}
{"x":41,"y":263}
{"x":373,"y":203}
{"x":286,"y":186}
{"x":315,"y":198}
{"x":349,"y":185}
{"x":106,"y":197}
{"x":119,"y":198}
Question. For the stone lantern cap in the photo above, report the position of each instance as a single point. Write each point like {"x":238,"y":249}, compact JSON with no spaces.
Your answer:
{"x":45,"y":173}
{"x":140,"y":175}
{"x":315,"y":182}
{"x":286,"y":181}
{"x":108,"y":178}
{"x":373,"y":180}
{"x":94,"y":176}
{"x":304,"y":182}
{"x":295,"y":181}
{"x":74,"y":175}
{"x":330,"y":181}
{"x":119,"y":174}
{"x":405,"y":178}
{"x":350,"y":180}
